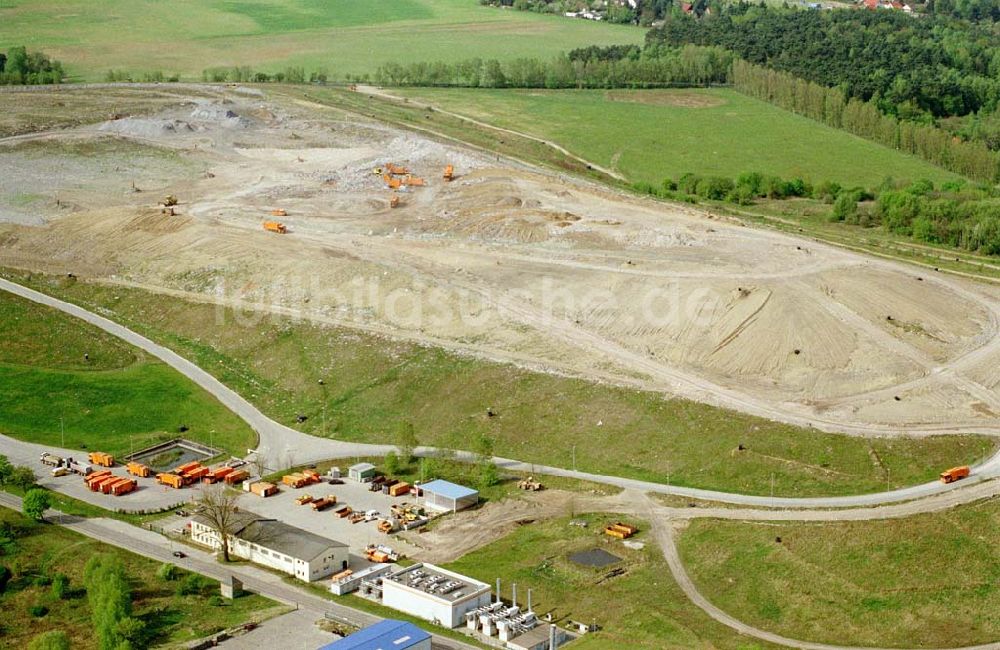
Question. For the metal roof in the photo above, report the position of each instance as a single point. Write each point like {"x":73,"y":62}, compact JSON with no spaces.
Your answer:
{"x":449,"y":489}
{"x":384,"y":635}
{"x":362,"y":467}
{"x":277,"y":536}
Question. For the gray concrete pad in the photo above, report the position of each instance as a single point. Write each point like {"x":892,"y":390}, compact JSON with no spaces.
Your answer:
{"x":296,"y":629}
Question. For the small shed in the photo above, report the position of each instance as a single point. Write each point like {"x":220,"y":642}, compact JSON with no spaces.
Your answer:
{"x":362,"y":472}
{"x":384,"y":635}
{"x":448,"y":496}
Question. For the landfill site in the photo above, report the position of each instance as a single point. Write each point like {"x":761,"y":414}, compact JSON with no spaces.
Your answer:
{"x":239,"y":198}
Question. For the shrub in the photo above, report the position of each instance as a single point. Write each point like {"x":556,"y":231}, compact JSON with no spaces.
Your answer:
{"x":845,"y":208}
{"x":827,"y":191}
{"x":216,"y":601}
{"x":60,"y":586}
{"x":714,"y":188}
{"x":5,"y":575}
{"x":741,"y":195}
{"x":53,"y":640}
{"x":191,"y":584}
{"x":38,"y":611}
{"x":167,"y":572}
{"x":41,"y":580}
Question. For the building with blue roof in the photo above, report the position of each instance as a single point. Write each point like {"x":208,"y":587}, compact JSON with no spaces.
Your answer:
{"x":384,"y":635}
{"x":448,"y":497}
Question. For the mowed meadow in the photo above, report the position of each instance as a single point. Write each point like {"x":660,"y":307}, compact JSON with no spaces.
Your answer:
{"x":649,"y":135}
{"x":341,"y":36}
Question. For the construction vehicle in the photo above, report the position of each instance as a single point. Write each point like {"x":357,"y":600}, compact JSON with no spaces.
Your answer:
{"x":392,"y":183}
{"x":137,"y":469}
{"x":620,"y":530}
{"x":386,"y":526}
{"x":51,"y":459}
{"x":372,"y":515}
{"x":304,"y":499}
{"x":396,"y":170}
{"x":101,"y":458}
{"x":123,"y":487}
{"x":186,"y":467}
{"x":238,"y":476}
{"x":278,"y":212}
{"x":356,"y":518}
{"x":169,"y":200}
{"x":320,"y":505}
{"x":449,"y":172}
{"x":195,"y":475}
{"x":94,"y":477}
{"x":413,"y":181}
{"x":343,"y":511}
{"x":399,"y":489}
{"x":170,"y":479}
{"x":530,"y":484}
{"x":394,"y":201}
{"x":59,"y":471}
{"x":275,"y":226}
{"x":954,"y":474}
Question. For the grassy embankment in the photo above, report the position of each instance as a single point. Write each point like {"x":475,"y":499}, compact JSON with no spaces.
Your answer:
{"x":372,"y":385}
{"x":924,"y":581}
{"x":340,"y":36}
{"x":42,"y":550}
{"x":117,"y":399}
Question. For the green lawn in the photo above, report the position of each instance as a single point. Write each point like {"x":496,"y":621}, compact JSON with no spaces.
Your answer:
{"x":118,"y":398}
{"x":927,"y":581}
{"x":372,"y":385}
{"x":45,"y":549}
{"x":648,"y":135}
{"x":342,"y":36}
{"x":642,"y":609}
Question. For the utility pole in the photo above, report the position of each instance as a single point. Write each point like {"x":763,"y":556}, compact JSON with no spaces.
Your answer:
{"x":574,"y":458}
{"x":772,"y":485}
{"x":62,"y":433}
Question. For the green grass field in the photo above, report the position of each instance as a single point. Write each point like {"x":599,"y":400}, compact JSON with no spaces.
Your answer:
{"x":372,"y":385}
{"x":926,"y":581}
{"x":118,"y":398}
{"x":648,"y":135}
{"x":642,"y":609}
{"x":46,"y":549}
{"x":342,"y":36}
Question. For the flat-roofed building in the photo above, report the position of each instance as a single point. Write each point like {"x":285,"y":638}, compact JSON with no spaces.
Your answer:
{"x":384,"y":635}
{"x":434,"y":594}
{"x":448,"y":497}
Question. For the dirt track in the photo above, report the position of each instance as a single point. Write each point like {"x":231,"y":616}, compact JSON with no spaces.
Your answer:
{"x":504,"y":262}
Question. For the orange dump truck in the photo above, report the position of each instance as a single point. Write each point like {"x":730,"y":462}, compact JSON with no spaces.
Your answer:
{"x":236,"y":477}
{"x":93,"y":476}
{"x":101,"y":458}
{"x":399,"y":489}
{"x":275,"y":226}
{"x":396,"y":169}
{"x":95,"y":483}
{"x":186,"y":467}
{"x":137,"y":469}
{"x":449,"y":172}
{"x":954,"y":474}
{"x":196,"y":474}
{"x":300,"y":479}
{"x":170,"y":479}
{"x":620,"y":530}
{"x":413,"y":181}
{"x":278,"y":212}
{"x":108,"y":487}
{"x":218,"y":474}
{"x":322,"y":504}
{"x":123,"y":486}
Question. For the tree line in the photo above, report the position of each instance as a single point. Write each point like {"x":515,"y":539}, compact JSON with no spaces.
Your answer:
{"x":833,"y":107}
{"x":683,"y":66}
{"x":19,"y":67}
{"x":643,"y":13}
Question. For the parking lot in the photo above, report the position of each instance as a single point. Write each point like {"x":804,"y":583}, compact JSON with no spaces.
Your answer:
{"x":356,"y":495}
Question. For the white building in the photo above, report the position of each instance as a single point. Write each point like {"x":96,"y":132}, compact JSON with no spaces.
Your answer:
{"x":277,"y":545}
{"x":362,"y":472}
{"x":434,"y":594}
{"x":448,"y":497}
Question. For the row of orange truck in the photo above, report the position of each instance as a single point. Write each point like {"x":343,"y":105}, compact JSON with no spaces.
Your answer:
{"x":107,"y":483}
{"x":101,"y":458}
{"x":620,"y":530}
{"x":300,"y":479}
{"x":194,"y":471}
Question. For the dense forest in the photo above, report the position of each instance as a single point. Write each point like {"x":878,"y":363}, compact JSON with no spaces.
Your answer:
{"x":20,"y":67}
{"x":914,"y":69}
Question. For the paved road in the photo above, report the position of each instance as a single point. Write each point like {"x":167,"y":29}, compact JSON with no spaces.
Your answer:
{"x":155,"y":546}
{"x":283,"y":446}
